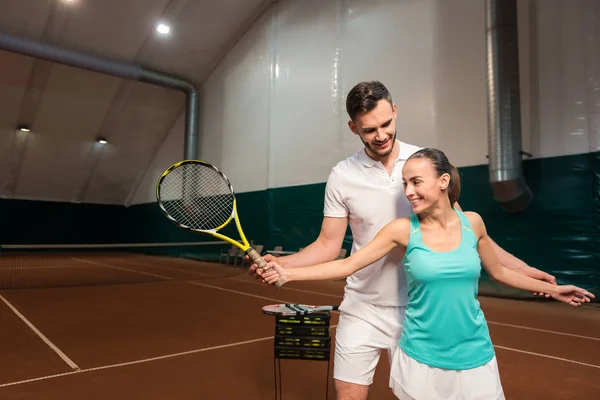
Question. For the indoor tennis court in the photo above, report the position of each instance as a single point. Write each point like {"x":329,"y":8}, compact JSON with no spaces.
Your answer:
{"x":106,"y":293}
{"x":165,"y":327}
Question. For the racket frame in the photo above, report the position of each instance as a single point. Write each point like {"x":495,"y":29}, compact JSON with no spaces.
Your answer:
{"x":244,"y":245}
{"x":290,"y":311}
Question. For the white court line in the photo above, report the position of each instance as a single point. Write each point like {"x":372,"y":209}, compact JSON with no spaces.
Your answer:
{"x":288,"y":289}
{"x":544,"y":330}
{"x":41,"y":335}
{"x":44,"y":338}
{"x":489,"y":322}
{"x":125,"y":269}
{"x":146,"y":360}
{"x":235,"y":291}
{"x":324,"y":294}
{"x":71,"y":363}
{"x":330,"y":295}
{"x":243,"y":293}
{"x":547,"y":356}
{"x":163,"y":268}
{"x":184,"y":353}
{"x":256,"y":340}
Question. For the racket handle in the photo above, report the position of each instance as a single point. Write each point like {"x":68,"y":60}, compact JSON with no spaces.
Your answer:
{"x":261,"y":263}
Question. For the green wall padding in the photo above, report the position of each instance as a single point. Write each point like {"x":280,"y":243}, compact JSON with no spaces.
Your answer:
{"x":558,"y":233}
{"x":296,"y":216}
{"x":44,"y":222}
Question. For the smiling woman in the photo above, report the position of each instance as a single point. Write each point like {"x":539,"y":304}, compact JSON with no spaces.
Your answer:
{"x":445,"y":345}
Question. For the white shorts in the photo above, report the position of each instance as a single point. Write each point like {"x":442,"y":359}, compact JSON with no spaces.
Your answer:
{"x":363,"y":331}
{"x":411,"y":380}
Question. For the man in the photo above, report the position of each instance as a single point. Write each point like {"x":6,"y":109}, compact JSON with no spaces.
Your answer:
{"x":366,"y":191}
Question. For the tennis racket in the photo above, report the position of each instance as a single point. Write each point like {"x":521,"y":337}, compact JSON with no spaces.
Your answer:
{"x":196,"y":196}
{"x":295,"y":309}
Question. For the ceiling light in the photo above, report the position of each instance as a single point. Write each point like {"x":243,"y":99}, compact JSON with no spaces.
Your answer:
{"x":23,"y":128}
{"x":163,"y":29}
{"x":101,"y":140}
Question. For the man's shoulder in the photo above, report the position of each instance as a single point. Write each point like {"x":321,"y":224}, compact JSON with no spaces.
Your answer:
{"x":349,"y":164}
{"x":407,"y":150}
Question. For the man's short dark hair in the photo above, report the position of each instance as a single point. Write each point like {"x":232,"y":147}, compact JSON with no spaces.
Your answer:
{"x":364,"y":97}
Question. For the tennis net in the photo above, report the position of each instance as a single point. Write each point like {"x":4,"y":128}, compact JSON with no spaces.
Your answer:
{"x":44,"y":266}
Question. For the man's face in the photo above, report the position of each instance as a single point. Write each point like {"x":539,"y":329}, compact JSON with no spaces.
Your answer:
{"x":377,"y":129}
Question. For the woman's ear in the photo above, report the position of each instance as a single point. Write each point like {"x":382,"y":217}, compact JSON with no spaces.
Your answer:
{"x":444,"y":181}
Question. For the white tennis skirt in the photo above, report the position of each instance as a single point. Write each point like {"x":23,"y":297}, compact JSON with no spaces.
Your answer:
{"x":411,"y":380}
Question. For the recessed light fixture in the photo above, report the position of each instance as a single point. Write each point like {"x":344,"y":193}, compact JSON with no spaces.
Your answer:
{"x":23,"y":128}
{"x":101,"y":140}
{"x":163,"y":29}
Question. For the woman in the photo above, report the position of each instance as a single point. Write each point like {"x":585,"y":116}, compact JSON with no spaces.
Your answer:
{"x":445,"y":350}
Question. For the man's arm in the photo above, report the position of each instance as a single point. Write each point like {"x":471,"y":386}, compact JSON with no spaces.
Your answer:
{"x":333,"y":229}
{"x":325,"y":248}
{"x":394,"y":234}
{"x":568,"y":294}
{"x":511,"y":262}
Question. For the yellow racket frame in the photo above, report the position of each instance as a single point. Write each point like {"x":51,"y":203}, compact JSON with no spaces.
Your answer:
{"x":244,"y":245}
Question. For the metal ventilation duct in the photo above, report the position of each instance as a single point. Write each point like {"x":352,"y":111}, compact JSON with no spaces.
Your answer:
{"x":503,"y":99}
{"x":129,"y":71}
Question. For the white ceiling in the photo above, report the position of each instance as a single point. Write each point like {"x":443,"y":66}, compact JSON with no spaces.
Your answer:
{"x":68,"y":108}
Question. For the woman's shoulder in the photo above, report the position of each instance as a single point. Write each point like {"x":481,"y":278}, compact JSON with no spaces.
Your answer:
{"x":472,"y":216}
{"x":403,"y":223}
{"x":475,"y":220}
{"x":399,"y":224}
{"x":401,"y":230}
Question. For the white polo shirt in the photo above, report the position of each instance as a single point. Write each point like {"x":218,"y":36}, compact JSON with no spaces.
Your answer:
{"x":361,"y":189}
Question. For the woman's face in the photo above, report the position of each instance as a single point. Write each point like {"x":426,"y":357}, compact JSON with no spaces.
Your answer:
{"x":422,"y":187}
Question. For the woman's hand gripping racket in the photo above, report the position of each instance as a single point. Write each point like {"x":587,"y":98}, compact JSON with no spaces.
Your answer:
{"x":196,"y":196}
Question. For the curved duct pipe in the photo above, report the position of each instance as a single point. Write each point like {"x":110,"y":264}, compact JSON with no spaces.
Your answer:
{"x":129,"y":71}
{"x":503,"y":100}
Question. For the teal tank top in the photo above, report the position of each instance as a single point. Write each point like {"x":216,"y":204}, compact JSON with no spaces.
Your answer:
{"x":444,"y":326}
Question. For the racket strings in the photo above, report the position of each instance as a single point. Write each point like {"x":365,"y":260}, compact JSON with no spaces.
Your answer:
{"x":197,"y":196}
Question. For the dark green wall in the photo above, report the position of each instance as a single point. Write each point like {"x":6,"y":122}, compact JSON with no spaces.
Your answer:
{"x":559,"y":233}
{"x":43,"y":222}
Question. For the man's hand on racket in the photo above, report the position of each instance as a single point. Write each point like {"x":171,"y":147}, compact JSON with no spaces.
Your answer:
{"x":572,"y":295}
{"x":274,"y":272}
{"x":255,"y":271}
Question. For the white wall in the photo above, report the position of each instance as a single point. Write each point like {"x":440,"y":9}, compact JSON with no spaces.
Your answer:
{"x":273,"y":111}
{"x":568,"y":57}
